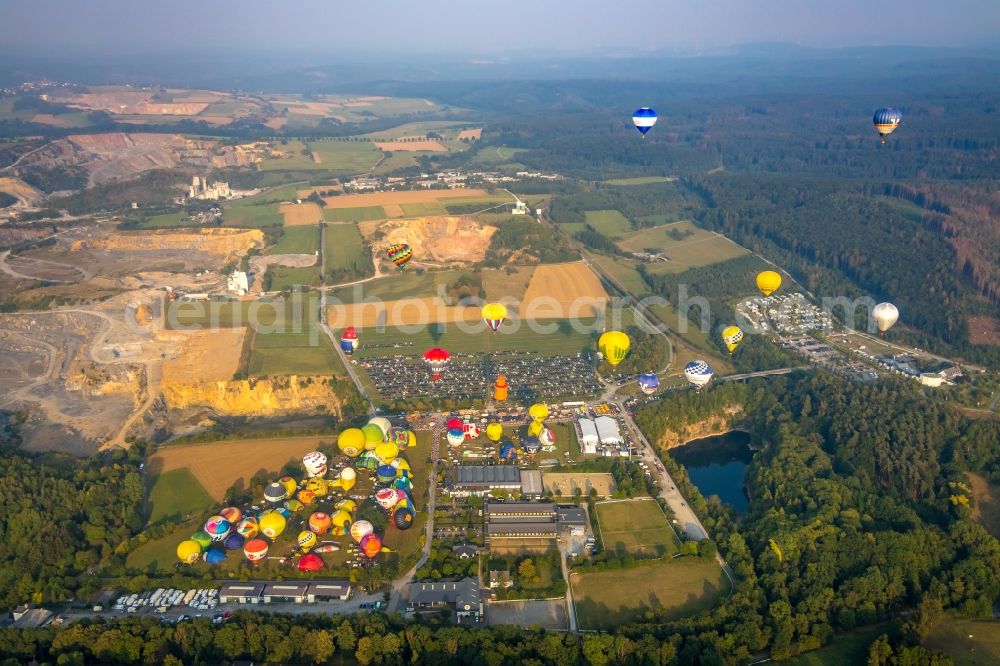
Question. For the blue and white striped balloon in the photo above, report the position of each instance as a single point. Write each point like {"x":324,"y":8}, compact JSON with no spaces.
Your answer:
{"x":644,"y":119}
{"x":698,"y":373}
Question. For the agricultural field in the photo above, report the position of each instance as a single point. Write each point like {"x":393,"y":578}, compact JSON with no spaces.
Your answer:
{"x":636,"y":526}
{"x":288,"y":314}
{"x":677,"y":587}
{"x":573,"y":288}
{"x":175,"y":495}
{"x":847,"y":649}
{"x":297,"y":156}
{"x":967,"y":642}
{"x":357,"y":214}
{"x":639,"y":180}
{"x":252,"y":212}
{"x":493,"y":155}
{"x":394,"y":203}
{"x":987,"y":499}
{"x":349,"y":157}
{"x":608,"y":222}
{"x":345,"y":250}
{"x":164,"y":221}
{"x":686,"y":246}
{"x":303,"y":214}
{"x":307,"y":353}
{"x":288,"y":277}
{"x":567,"y":483}
{"x":297,"y":240}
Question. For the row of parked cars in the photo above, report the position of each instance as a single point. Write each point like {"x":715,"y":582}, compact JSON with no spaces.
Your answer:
{"x":162,"y":599}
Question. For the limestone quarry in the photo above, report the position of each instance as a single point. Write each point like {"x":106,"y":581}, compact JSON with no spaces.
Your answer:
{"x":442,"y":239}
{"x":260,"y":397}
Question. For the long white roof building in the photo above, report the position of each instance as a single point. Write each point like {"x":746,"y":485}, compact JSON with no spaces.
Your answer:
{"x":608,"y":431}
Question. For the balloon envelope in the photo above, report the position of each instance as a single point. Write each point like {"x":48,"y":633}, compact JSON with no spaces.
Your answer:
{"x":436,"y":358}
{"x":234,"y":541}
{"x":275,"y":492}
{"x":886,"y":121}
{"x":320,"y":522}
{"x":386,"y":498}
{"x":455,"y":436}
{"x":373,"y":436}
{"x":272,"y":525}
{"x":215,"y":555}
{"x":547,"y":437}
{"x":400,"y":253}
{"x":494,"y":315}
{"x":885,"y":316}
{"x":386,"y":452}
{"x":289,"y":483}
{"x":202,"y":538}
{"x":232,"y":514}
{"x":644,"y":118}
{"x":732,"y":336}
{"x":404,"y":438}
{"x":248,"y":528}
{"x":306,"y":539}
{"x":649,"y":383}
{"x":306,"y":496}
{"x":494,"y":432}
{"x":508,"y":452}
{"x":351,"y":442}
{"x":614,"y":345}
{"x":698,"y":373}
{"x":317,"y":486}
{"x":385,"y":473}
{"x":538,"y":412}
{"x":768,"y":282}
{"x":342,"y":518}
{"x":361,"y":529}
{"x":402,"y":517}
{"x":310,"y":562}
{"x":188,"y":551}
{"x":314,"y":463}
{"x":371,"y":545}
{"x":255,"y":550}
{"x":217,"y":528}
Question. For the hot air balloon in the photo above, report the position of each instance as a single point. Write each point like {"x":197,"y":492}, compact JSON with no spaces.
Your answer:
{"x":455,"y":436}
{"x":348,"y":505}
{"x":698,"y":373}
{"x":306,"y":540}
{"x":402,"y":517}
{"x":248,"y":528}
{"x":320,"y":522}
{"x":385,"y":473}
{"x":453,"y":423}
{"x":317,"y":486}
{"x":386,"y":452}
{"x":885,"y":315}
{"x":366,"y":460}
{"x":311,"y":562}
{"x":614,"y":345}
{"x":401,"y":465}
{"x":202,"y":539}
{"x":327,"y":548}
{"x":188,"y":551}
{"x":373,"y":436}
{"x":371,"y":545}
{"x":232,"y":514}
{"x":404,"y":439}
{"x":255,"y":550}
{"x":214,"y":555}
{"x":644,"y":119}
{"x":272,"y":525}
{"x":493,"y":315}
{"x":508,"y":452}
{"x":500,"y":388}
{"x":361,"y":529}
{"x":290,"y":484}
{"x":342,"y":519}
{"x":351,"y":442}
{"x":383,"y":424}
{"x":768,"y":282}
{"x":217,"y":528}
{"x":349,"y":340}
{"x":234,"y":541}
{"x":538,"y":412}
{"x":386,"y":498}
{"x":547,"y":437}
{"x":275,"y":492}
{"x":649,"y":383}
{"x":886,"y":121}
{"x":314,"y":464}
{"x":494,"y":432}
{"x":307,"y":497}
{"x":399,"y":254}
{"x":732,"y":336}
{"x":535,"y":428}
{"x":292,"y":505}
{"x":284,"y":510}
{"x":403,"y":482}
{"x":436,"y":358}
{"x":345,"y":481}
{"x":531,"y":445}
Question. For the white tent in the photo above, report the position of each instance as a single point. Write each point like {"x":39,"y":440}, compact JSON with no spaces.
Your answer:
{"x":607,"y":430}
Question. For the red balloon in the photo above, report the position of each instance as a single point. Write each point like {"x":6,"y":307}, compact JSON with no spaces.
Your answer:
{"x":310,"y":562}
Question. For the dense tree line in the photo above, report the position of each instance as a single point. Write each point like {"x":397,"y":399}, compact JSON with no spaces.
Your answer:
{"x":61,"y":517}
{"x":527,"y":242}
{"x":635,"y":202}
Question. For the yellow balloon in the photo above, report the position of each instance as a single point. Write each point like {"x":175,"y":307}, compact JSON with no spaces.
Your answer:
{"x":535,"y":428}
{"x":342,"y":518}
{"x":494,"y":432}
{"x":188,"y":551}
{"x":347,"y":505}
{"x":768,"y":282}
{"x":386,"y":452}
{"x":494,"y":314}
{"x":732,"y":336}
{"x":538,"y":412}
{"x":306,"y":540}
{"x":351,"y":442}
{"x":614,"y":345}
{"x":317,"y":486}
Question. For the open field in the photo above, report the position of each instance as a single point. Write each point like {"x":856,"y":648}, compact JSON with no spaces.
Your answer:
{"x":562,"y":341}
{"x":406,"y":197}
{"x":287,"y":277}
{"x":640,"y":180}
{"x":573,"y":286}
{"x":252,"y":213}
{"x":410,"y":284}
{"x":473,"y":134}
{"x":412,"y":146}
{"x":218,"y":465}
{"x":41,"y":269}
{"x":302,"y":214}
{"x":420,"y":128}
{"x":357,"y":214}
{"x":492,"y":155}
{"x":952,"y":637}
{"x":344,"y":248}
{"x":680,"y":587}
{"x":406,"y":543}
{"x":285,"y":315}
{"x":164,"y":221}
{"x":203,"y":356}
{"x":306,"y":353}
{"x":984,"y":330}
{"x":344,"y":156}
{"x":548,"y":613}
{"x":608,"y":222}
{"x":986,"y":512}
{"x":694,"y":247}
{"x":175,"y":495}
{"x":636,"y":526}
{"x":297,"y":240}
{"x":568,"y":482}
{"x":848,"y":649}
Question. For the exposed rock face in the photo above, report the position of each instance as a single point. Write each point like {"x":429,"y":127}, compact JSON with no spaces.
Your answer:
{"x":717,"y":424}
{"x":260,"y":397}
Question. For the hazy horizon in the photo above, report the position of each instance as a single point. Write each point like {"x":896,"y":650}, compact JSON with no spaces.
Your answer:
{"x":101,"y":28}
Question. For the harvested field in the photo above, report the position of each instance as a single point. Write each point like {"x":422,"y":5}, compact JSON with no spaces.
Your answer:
{"x":474,"y":134}
{"x":211,"y":355}
{"x":426,"y":145}
{"x":548,"y":614}
{"x":438,"y":239}
{"x":301,"y":214}
{"x":226,"y":243}
{"x":571,"y":288}
{"x":218,"y":465}
{"x":567,"y":483}
{"x":405,"y":312}
{"x":685,"y":245}
{"x":986,"y":511}
{"x":400,"y":197}
{"x":984,"y":330}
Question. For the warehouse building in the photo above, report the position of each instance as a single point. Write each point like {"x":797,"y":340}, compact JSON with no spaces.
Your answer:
{"x":481,"y":479}
{"x":462,"y":595}
{"x":608,"y":431}
{"x":531,"y":483}
{"x":339,"y":590}
{"x":241,"y":593}
{"x":286,"y":592}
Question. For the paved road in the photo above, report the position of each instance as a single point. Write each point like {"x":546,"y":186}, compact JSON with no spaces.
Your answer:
{"x":570,"y":608}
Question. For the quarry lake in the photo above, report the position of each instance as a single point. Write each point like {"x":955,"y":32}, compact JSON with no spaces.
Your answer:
{"x":717,"y":465}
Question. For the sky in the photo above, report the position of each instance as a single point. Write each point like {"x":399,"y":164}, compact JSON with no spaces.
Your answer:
{"x":394,"y":28}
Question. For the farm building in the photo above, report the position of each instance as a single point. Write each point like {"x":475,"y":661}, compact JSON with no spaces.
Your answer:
{"x":462,"y":595}
{"x":481,"y":479}
{"x":241,"y":593}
